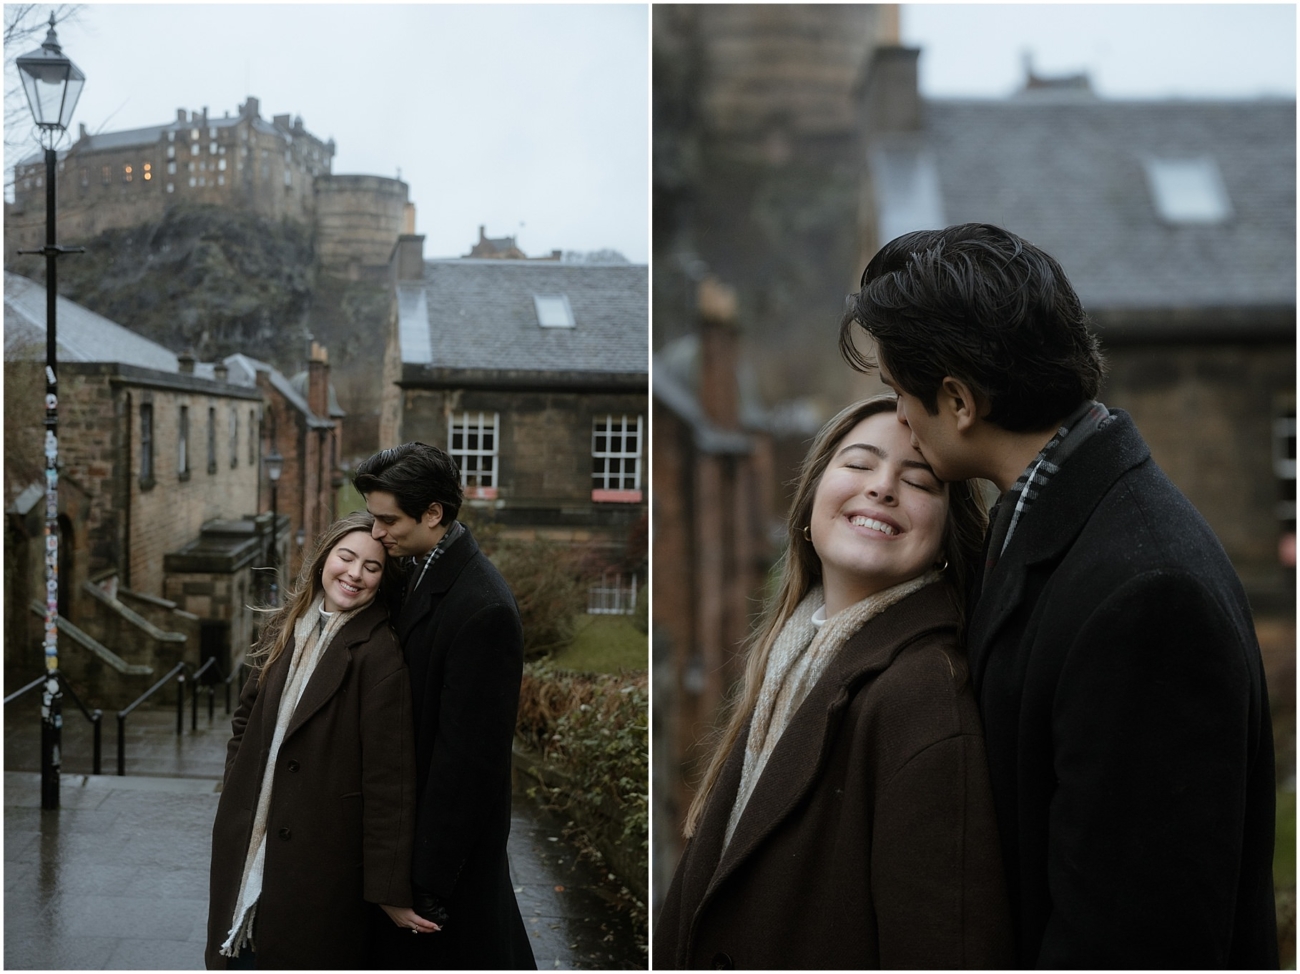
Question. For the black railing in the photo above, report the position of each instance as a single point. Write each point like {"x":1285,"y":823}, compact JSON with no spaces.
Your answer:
{"x":177,"y":671}
{"x":96,"y":717}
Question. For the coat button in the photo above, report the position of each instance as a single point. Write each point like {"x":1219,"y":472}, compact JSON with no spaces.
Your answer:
{"x":293,"y":765}
{"x":284,"y":834}
{"x":723,"y":962}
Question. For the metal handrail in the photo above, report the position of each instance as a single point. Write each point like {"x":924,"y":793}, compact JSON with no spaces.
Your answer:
{"x":18,"y":693}
{"x":96,"y":717}
{"x":211,"y":664}
{"x":180,"y":669}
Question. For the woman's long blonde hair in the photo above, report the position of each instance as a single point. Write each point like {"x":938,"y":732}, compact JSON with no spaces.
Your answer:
{"x":298,"y":598}
{"x":800,"y":569}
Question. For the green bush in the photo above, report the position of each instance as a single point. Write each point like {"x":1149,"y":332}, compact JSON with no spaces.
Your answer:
{"x":544,"y":577}
{"x":594,"y":728}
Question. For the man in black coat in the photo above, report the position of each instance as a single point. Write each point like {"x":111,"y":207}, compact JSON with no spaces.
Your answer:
{"x":1111,"y":645}
{"x":460,"y":633}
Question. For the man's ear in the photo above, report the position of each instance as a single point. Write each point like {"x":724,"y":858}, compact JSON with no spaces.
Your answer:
{"x":433,"y":516}
{"x":961,"y":403}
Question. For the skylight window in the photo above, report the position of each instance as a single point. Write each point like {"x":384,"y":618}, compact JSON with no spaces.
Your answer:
{"x":1188,"y":190}
{"x":553,"y":310}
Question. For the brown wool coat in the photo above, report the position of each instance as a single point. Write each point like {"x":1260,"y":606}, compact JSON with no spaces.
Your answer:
{"x":869,"y":840}
{"x":342,"y":803}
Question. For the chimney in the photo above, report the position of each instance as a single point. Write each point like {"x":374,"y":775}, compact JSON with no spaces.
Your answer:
{"x":180,"y":115}
{"x":407,"y":260}
{"x":249,"y":109}
{"x":481,"y":235}
{"x":221,"y":370}
{"x":318,"y":377}
{"x":556,"y":254}
{"x":186,"y":362}
{"x":889,"y":99}
{"x":281,"y":122}
{"x":81,"y":134}
{"x":718,"y":391}
{"x":408,"y":218}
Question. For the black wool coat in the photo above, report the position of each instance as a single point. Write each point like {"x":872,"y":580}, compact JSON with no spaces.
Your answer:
{"x":342,"y":803}
{"x":869,"y":839}
{"x":463,"y":643}
{"x":1129,"y":739}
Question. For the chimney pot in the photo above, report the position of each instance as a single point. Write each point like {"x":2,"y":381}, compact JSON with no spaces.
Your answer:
{"x":889,"y":97}
{"x":408,"y":257}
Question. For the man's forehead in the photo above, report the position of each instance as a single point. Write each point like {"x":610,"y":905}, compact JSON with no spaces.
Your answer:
{"x":381,"y":502}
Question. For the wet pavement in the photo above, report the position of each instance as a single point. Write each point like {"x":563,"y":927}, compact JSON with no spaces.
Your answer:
{"x":116,"y":878}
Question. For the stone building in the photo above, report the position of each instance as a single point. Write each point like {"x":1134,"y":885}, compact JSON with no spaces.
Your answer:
{"x":713,"y":513}
{"x":755,"y":175}
{"x":161,"y":540}
{"x":533,"y":375}
{"x":302,"y":420}
{"x":1175,"y":221}
{"x":275,"y":168}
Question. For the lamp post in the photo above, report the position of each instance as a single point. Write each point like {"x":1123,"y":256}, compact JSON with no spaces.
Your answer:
{"x":274,"y":467}
{"x":52,"y":84}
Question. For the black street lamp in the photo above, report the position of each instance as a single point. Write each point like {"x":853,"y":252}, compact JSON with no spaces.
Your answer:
{"x":53,"y":84}
{"x":274,"y":467}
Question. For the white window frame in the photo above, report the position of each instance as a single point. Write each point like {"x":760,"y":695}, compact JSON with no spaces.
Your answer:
{"x":478,"y":483}
{"x":606,"y":485}
{"x":553,"y":311}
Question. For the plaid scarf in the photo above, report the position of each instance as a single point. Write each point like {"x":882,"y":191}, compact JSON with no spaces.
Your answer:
{"x":448,"y":539}
{"x":1015,"y":503}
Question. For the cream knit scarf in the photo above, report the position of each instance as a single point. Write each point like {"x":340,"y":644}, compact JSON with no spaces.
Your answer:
{"x":311,"y":635}
{"x":795,"y":663}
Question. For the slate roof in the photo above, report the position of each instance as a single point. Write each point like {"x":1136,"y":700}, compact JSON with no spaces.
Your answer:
{"x":480,"y":314}
{"x":1067,"y":174}
{"x":83,"y":336}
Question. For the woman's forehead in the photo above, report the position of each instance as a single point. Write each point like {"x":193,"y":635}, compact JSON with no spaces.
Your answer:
{"x":361,"y":544}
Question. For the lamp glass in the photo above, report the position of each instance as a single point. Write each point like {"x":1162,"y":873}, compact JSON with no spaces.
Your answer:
{"x":274,"y":466}
{"x":53,"y":85}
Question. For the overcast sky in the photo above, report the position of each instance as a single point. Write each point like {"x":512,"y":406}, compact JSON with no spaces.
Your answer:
{"x":1129,"y":50}
{"x":532,"y":120}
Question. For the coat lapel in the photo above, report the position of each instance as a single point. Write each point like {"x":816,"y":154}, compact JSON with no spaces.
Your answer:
{"x":1058,"y":514}
{"x":796,"y":761}
{"x":439,"y":578}
{"x":333,"y":666}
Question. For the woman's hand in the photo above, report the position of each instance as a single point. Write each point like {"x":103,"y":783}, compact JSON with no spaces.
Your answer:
{"x":408,"y":919}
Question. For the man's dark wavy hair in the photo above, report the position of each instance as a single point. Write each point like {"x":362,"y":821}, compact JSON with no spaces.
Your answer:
{"x":978,"y":303}
{"x":417,"y":475}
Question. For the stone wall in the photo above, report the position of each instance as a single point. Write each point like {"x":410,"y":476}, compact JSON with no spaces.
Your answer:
{"x":358,"y":220}
{"x":544,"y":461}
{"x":169,"y":511}
{"x":1207,"y":412}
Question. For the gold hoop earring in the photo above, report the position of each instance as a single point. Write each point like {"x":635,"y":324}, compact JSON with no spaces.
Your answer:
{"x":807,"y":532}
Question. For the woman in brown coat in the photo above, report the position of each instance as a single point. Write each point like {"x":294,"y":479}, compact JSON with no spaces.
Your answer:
{"x":315,"y":817}
{"x":845,"y":820}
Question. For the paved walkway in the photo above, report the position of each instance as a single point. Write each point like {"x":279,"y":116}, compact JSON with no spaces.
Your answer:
{"x":116,"y":878}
